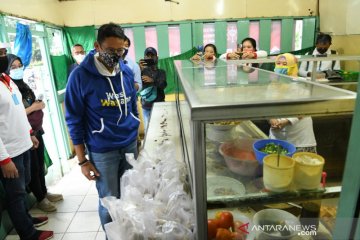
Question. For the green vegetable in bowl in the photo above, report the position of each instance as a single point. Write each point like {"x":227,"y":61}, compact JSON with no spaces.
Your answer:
{"x":273,"y":148}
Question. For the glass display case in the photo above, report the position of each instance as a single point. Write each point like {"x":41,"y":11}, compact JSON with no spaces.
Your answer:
{"x":218,"y":104}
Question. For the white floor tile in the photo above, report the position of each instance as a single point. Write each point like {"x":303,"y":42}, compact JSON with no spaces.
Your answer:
{"x":100,"y":236}
{"x":12,"y":237}
{"x":58,"y":236}
{"x":69,"y":204}
{"x":85,"y":222}
{"x":80,"y":236}
{"x":93,"y":190}
{"x":90,"y":204}
{"x":58,"y":222}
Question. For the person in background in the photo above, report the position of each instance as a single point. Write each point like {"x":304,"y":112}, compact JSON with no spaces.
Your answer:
{"x":132,"y":65}
{"x":296,"y":130}
{"x":209,"y":53}
{"x":153,"y":82}
{"x":16,"y":139}
{"x":322,"y":48}
{"x":246,"y":50}
{"x":101,"y":112}
{"x":78,"y":54}
{"x":35,"y":115}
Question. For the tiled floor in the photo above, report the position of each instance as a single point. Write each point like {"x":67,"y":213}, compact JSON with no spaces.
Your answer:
{"x":76,"y":217}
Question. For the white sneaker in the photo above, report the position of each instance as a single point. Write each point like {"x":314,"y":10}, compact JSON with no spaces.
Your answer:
{"x":46,"y":206}
{"x":54,"y":197}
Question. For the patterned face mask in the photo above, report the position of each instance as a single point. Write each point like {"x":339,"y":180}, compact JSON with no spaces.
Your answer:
{"x":109,"y":59}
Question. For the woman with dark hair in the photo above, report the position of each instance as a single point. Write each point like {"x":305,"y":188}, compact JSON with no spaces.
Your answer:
{"x":35,"y":115}
{"x":209,"y":53}
{"x":246,"y":50}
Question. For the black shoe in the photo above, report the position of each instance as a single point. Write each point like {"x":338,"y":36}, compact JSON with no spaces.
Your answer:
{"x":39,"y":221}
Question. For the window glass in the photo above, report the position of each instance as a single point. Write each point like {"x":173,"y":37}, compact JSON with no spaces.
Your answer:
{"x":55,"y":41}
{"x":174,"y":40}
{"x":151,"y":37}
{"x":275,"y":40}
{"x":209,"y":33}
{"x":297,"y":37}
{"x":231,"y":36}
{"x":11,"y":23}
{"x":254,"y":31}
{"x":130,"y":34}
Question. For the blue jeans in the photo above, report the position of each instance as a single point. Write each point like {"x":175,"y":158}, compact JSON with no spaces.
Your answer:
{"x":111,"y":166}
{"x":146,"y":116}
{"x":16,"y":197}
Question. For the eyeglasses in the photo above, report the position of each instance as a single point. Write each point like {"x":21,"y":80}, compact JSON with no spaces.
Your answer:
{"x":118,"y":51}
{"x":79,"y":52}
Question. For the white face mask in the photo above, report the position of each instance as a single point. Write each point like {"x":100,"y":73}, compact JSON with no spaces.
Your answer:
{"x":17,"y":74}
{"x":79,"y":58}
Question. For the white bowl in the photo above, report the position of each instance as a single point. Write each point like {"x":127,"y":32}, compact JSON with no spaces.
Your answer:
{"x":277,"y":219}
{"x":221,"y":186}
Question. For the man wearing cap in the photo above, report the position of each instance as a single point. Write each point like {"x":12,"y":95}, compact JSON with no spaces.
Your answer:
{"x":153,"y":81}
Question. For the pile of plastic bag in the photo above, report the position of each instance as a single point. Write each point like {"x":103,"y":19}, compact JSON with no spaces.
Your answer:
{"x":153,"y":202}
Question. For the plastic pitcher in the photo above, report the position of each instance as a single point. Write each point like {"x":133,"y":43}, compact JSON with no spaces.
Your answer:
{"x":278,"y":178}
{"x":308,"y":170}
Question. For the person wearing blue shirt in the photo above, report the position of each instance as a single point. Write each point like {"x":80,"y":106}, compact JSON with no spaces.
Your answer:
{"x":132,"y":65}
{"x":101,"y":113}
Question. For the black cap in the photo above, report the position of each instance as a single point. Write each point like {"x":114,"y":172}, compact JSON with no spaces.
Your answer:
{"x":150,"y":50}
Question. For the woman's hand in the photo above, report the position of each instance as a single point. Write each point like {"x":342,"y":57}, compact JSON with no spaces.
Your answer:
{"x":147,"y":79}
{"x":197,"y":57}
{"x":233,"y":56}
{"x":248,"y":55}
{"x":37,"y":105}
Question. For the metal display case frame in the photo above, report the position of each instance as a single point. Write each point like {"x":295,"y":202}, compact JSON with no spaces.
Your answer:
{"x":211,"y":94}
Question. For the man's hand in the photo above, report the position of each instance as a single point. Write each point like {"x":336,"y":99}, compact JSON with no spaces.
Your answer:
{"x":142,"y":64}
{"x":147,"y":79}
{"x":35,"y":142}
{"x":89,"y":171}
{"x":9,"y":170}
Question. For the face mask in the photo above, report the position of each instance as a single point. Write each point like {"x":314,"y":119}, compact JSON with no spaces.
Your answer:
{"x":109,"y":59}
{"x":79,"y":58}
{"x":3,"y":64}
{"x":126,"y":50}
{"x":281,"y":70}
{"x":321,"y":50}
{"x":17,"y":74}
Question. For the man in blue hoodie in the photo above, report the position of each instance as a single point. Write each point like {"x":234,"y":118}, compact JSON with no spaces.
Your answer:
{"x":101,"y":113}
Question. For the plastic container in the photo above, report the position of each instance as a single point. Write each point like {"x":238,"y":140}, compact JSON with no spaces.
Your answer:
{"x":239,"y":156}
{"x":349,"y":76}
{"x":275,"y":219}
{"x":278,"y":178}
{"x":308,"y":170}
{"x":262,"y":143}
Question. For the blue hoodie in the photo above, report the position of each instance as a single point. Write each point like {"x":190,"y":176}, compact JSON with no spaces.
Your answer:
{"x":92,"y":107}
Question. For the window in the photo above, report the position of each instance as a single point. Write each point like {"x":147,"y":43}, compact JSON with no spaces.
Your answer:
{"x":55,"y":41}
{"x":174,"y":40}
{"x":151,"y":37}
{"x":275,"y":37}
{"x":129,"y":33}
{"x":254,"y":31}
{"x":231,"y":36}
{"x":209,"y":33}
{"x":297,"y":37}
